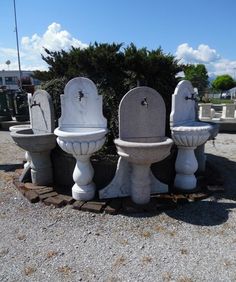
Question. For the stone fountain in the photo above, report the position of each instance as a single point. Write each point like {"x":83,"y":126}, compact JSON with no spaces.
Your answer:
{"x":141,"y":142}
{"x":39,"y":140}
{"x":187,"y":134}
{"x":81,"y":132}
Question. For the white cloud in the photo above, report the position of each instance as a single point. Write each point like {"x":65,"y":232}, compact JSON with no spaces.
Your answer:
{"x":215,"y":64}
{"x":53,"y":39}
{"x":203,"y":54}
{"x":222,"y":66}
{"x":31,"y":48}
{"x":9,"y":52}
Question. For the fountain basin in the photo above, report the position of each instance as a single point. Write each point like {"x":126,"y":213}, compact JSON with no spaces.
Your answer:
{"x":19,"y":127}
{"x":144,"y":150}
{"x":191,"y":134}
{"x":80,"y":141}
{"x":31,"y":142}
{"x":80,"y":134}
{"x":39,"y":147}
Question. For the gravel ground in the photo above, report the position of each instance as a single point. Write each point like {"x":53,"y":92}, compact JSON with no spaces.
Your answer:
{"x":196,"y":242}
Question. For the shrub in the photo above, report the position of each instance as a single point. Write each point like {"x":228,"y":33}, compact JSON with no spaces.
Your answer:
{"x":114,"y":70}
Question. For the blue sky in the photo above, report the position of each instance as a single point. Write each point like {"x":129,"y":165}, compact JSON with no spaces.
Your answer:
{"x":200,"y":31}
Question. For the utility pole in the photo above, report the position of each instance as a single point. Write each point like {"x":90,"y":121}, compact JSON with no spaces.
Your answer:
{"x":17,"y":44}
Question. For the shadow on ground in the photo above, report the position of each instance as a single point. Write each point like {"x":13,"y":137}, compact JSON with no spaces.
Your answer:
{"x":10,"y":167}
{"x":216,"y":211}
{"x":203,"y":213}
{"x":227,"y":169}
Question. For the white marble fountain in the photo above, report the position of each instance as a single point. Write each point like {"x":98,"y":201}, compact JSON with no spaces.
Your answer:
{"x":187,"y":134}
{"x":81,"y":132}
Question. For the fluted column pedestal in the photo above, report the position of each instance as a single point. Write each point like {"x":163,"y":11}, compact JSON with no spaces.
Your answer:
{"x":84,"y":188}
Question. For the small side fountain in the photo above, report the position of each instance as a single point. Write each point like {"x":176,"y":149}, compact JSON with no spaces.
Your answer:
{"x":81,"y":132}
{"x":187,"y":134}
{"x":228,"y":112}
{"x":206,"y":112}
{"x":39,"y":139}
{"x":15,"y":128}
{"x":141,"y":142}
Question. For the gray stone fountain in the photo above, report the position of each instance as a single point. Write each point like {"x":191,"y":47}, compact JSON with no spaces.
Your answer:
{"x":141,"y":142}
{"x":39,"y":140}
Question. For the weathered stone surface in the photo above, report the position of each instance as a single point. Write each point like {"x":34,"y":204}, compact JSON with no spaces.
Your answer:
{"x":78,"y":204}
{"x":163,"y":197}
{"x":198,"y":196}
{"x":42,"y":113}
{"x":56,"y":201}
{"x":44,"y":190}
{"x":98,"y":202}
{"x":47,"y":195}
{"x":68,"y":200}
{"x":32,"y":196}
{"x":31,"y":186}
{"x":142,"y":114}
{"x":95,"y":207}
{"x":180,"y":198}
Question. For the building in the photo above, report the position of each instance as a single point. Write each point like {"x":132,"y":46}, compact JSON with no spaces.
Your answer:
{"x":9,"y":79}
{"x":232,"y":93}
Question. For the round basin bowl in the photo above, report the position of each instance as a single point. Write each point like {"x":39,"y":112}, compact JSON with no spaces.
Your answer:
{"x":35,"y":143}
{"x":192,"y":134}
{"x":80,"y":134}
{"x":214,"y":130}
{"x":144,"y":150}
{"x":18,"y":127}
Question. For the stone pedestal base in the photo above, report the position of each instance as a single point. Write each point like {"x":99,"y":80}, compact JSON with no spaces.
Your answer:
{"x":133,"y":180}
{"x":201,"y":158}
{"x":140,"y":184}
{"x":41,"y":168}
{"x":185,"y":166}
{"x":28,"y":159}
{"x":83,"y":192}
{"x":84,"y":188}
